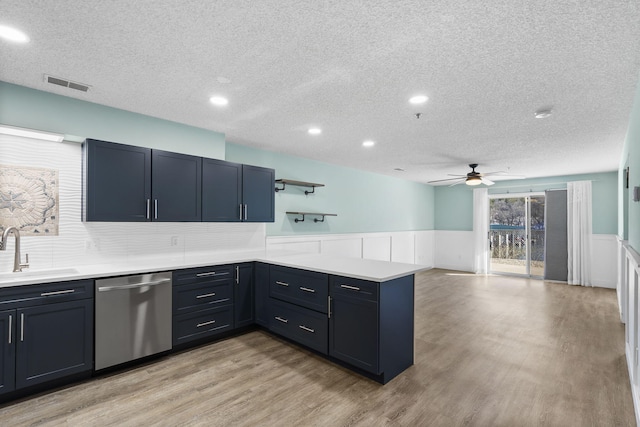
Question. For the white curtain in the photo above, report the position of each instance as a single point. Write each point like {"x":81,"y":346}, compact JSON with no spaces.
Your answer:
{"x":481,"y":229}
{"x":579,"y":232}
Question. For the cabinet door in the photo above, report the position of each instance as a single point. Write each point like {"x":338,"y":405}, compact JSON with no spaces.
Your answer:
{"x":117,"y":182}
{"x":53,"y":341}
{"x":221,"y":191}
{"x":243,"y":295}
{"x":353,"y":331}
{"x":177,"y":185}
{"x":258,"y":194}
{"x":261,"y":289}
{"x":7,"y":350}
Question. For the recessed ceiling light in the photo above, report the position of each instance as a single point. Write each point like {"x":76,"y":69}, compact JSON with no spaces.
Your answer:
{"x":368,"y":143}
{"x":13,"y":35}
{"x":543,"y":114}
{"x":314,"y":131}
{"x":219,"y":101}
{"x":418,"y":99}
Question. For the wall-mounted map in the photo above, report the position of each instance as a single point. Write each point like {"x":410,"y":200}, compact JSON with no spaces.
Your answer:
{"x":29,"y":200}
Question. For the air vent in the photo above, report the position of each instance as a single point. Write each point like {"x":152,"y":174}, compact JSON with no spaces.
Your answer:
{"x":66,"y":83}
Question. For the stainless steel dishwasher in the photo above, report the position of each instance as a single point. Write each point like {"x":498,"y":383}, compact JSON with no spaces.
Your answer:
{"x":133,"y":318}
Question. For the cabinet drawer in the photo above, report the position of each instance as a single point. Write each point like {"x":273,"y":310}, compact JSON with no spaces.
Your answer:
{"x":306,"y":288}
{"x":193,"y":275}
{"x":356,"y":288}
{"x":302,"y":325}
{"x":202,"y":323}
{"x":201,"y":295}
{"x":44,"y":294}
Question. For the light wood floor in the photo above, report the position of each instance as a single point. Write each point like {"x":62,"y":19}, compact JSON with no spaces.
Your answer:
{"x":490,"y":351}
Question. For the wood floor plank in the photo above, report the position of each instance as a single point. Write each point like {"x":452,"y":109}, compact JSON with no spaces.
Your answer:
{"x":489,"y":351}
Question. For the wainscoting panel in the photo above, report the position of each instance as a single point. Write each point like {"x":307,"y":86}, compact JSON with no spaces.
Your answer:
{"x":378,"y":248}
{"x":630,"y":300}
{"x":454,"y":250}
{"x":412,"y":247}
{"x":604,"y":260}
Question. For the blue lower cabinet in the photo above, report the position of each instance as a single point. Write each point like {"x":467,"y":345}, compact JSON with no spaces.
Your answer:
{"x":261,"y":294}
{"x":202,"y":323}
{"x":372,"y":324}
{"x":354,"y":332}
{"x":55,"y":340}
{"x":243,"y":295}
{"x":7,"y":351}
{"x":300,"y":324}
{"x":46,"y":333}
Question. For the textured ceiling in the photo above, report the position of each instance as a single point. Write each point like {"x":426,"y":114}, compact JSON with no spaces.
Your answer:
{"x":349,"y":67}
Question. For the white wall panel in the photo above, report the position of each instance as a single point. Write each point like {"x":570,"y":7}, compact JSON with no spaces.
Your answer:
{"x":351,"y":248}
{"x":403,"y":247}
{"x":604,"y":260}
{"x":454,"y":250}
{"x":424,"y":247}
{"x":378,"y":248}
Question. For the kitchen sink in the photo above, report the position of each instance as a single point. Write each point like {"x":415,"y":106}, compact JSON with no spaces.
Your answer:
{"x":53,"y":272}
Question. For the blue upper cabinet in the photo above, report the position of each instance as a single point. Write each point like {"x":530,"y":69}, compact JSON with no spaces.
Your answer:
{"x":117,"y":182}
{"x":221,"y":191}
{"x":176,"y":186}
{"x":232,"y":192}
{"x":127,"y":183}
{"x":258,"y":193}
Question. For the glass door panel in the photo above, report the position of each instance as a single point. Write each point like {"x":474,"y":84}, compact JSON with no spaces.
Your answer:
{"x":537,"y":234}
{"x":516,"y":235}
{"x":507,"y":235}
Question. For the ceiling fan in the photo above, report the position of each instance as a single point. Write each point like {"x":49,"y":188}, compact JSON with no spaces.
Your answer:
{"x":474,"y":178}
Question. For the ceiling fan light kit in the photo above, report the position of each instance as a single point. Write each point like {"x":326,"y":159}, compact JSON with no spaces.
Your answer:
{"x":473,"y":180}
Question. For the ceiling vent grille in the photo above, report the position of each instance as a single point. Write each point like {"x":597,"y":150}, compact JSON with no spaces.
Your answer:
{"x":66,"y":83}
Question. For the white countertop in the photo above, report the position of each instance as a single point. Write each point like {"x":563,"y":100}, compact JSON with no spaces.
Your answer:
{"x":377,"y":271}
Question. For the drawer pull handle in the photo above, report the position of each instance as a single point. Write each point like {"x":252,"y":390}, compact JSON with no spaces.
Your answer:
{"x":304,"y":328}
{"x":302,"y":288}
{"x":212,"y":273}
{"x":66,"y":291}
{"x":10,"y":328}
{"x":210,"y":322}
{"x":352,"y":288}
{"x":280,"y":319}
{"x":281,"y":283}
{"x":212,"y":294}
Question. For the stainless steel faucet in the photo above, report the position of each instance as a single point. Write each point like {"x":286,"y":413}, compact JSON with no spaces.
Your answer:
{"x":17,"y":265}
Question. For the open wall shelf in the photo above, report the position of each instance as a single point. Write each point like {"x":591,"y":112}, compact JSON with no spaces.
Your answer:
{"x":316,"y":214}
{"x":311,"y":185}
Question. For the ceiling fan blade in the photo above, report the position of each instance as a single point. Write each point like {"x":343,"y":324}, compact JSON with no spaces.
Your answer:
{"x":503,"y":175}
{"x":459,"y":182}
{"x":486,"y":181}
{"x":443,"y":180}
{"x":452,"y":174}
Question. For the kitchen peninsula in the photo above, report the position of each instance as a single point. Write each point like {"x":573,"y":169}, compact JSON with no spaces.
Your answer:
{"x":354,"y":312}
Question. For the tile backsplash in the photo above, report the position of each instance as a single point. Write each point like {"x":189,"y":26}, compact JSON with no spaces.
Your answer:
{"x":87,"y":243}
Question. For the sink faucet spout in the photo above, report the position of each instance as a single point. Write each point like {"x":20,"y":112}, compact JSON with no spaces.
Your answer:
{"x":17,"y":264}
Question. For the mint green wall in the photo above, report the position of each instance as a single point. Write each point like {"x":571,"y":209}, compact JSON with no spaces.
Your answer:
{"x":454,"y":205}
{"x":34,"y":109}
{"x":629,"y":226}
{"x":363,"y":201}
{"x":453,"y":208}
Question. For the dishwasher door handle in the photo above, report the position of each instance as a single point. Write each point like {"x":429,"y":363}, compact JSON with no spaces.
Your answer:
{"x":132,"y":286}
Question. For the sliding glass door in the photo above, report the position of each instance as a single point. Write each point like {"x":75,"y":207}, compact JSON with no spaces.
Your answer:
{"x":516,"y":234}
